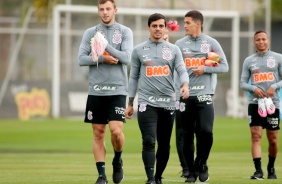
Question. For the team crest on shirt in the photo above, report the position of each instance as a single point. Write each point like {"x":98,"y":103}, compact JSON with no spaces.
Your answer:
{"x":117,"y":36}
{"x":270,"y":62}
{"x":167,"y":54}
{"x":205,"y":47}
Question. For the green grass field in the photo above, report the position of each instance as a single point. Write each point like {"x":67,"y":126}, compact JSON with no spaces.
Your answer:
{"x":60,"y":151}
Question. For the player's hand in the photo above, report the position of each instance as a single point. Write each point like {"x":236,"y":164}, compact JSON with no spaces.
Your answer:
{"x":110,"y":60}
{"x":198,"y":70}
{"x":259,"y":93}
{"x":270,"y":92}
{"x":129,"y":112}
{"x":184,"y":91}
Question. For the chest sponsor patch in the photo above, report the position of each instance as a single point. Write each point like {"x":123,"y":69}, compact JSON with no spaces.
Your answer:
{"x":263,"y":77}
{"x":152,"y":71}
{"x":193,"y":62}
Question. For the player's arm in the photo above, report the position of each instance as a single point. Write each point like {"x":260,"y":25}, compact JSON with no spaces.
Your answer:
{"x":223,"y":66}
{"x":182,"y":73}
{"x":245,"y":77}
{"x":84,"y":57}
{"x":279,"y":83}
{"x":133,"y":83}
{"x":123,"y":55}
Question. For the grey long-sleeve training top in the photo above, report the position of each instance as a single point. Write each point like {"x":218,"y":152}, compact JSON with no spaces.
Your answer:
{"x":107,"y":80}
{"x":262,"y":71}
{"x":194,"y":50}
{"x":152,"y":67}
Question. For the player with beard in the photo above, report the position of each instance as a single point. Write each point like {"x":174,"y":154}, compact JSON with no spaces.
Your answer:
{"x":108,"y":83}
{"x":152,"y":70}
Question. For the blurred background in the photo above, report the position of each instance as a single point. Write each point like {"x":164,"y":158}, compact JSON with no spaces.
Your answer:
{"x":39,"y":73}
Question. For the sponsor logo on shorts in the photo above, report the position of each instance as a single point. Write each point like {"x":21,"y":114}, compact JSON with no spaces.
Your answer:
{"x":90,"y":115}
{"x":119,"y":110}
{"x":142,"y":107}
{"x":182,"y":107}
{"x":273,"y":122}
{"x":204,"y":98}
{"x":250,"y":119}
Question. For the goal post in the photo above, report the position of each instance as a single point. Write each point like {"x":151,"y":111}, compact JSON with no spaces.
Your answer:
{"x":59,"y":9}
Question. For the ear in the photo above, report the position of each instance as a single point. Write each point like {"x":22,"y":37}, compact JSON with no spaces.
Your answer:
{"x":115,"y":12}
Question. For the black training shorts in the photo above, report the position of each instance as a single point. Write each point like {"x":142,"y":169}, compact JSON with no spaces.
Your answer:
{"x":270,"y":122}
{"x":102,"y":109}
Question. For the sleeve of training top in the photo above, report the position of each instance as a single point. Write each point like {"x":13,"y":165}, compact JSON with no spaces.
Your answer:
{"x":124,"y":55}
{"x":180,"y":67}
{"x":134,"y":74}
{"x":84,"y":58}
{"x":223,"y":66}
{"x":245,"y":77}
{"x":279,"y":84}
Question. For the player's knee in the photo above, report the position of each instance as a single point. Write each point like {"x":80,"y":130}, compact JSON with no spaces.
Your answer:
{"x":148,"y":142}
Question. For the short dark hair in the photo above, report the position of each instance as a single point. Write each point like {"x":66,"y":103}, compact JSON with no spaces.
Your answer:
{"x":154,"y":17}
{"x":259,"y":31}
{"x":196,"y":16}
{"x":104,"y":1}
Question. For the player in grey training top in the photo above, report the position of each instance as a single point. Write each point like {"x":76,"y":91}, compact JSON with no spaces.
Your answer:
{"x":152,"y":66}
{"x":262,"y":78}
{"x":197,"y":112}
{"x":108,"y":84}
{"x":108,"y":78}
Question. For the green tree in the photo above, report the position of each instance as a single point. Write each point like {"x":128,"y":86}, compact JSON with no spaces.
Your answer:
{"x":276,"y":7}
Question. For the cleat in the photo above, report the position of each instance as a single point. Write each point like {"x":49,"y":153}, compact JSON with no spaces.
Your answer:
{"x":271,"y":174}
{"x":185,"y":173}
{"x":117,"y":172}
{"x":258,"y":175}
{"x":191,"y":178}
{"x":270,"y":107}
{"x":151,"y":181}
{"x":158,"y":181}
{"x":261,"y":108}
{"x":203,"y":173}
{"x":102,"y":180}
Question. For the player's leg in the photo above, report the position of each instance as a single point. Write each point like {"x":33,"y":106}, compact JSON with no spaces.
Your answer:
{"x":179,"y":144}
{"x":164,"y":130}
{"x":95,"y":114}
{"x":272,"y":127}
{"x":204,"y":134}
{"x":256,"y":128}
{"x":147,"y":121}
{"x":188,"y":120}
{"x":116,"y":119}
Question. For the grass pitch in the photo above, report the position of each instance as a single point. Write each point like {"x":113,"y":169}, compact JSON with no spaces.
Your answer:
{"x":60,"y":151}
